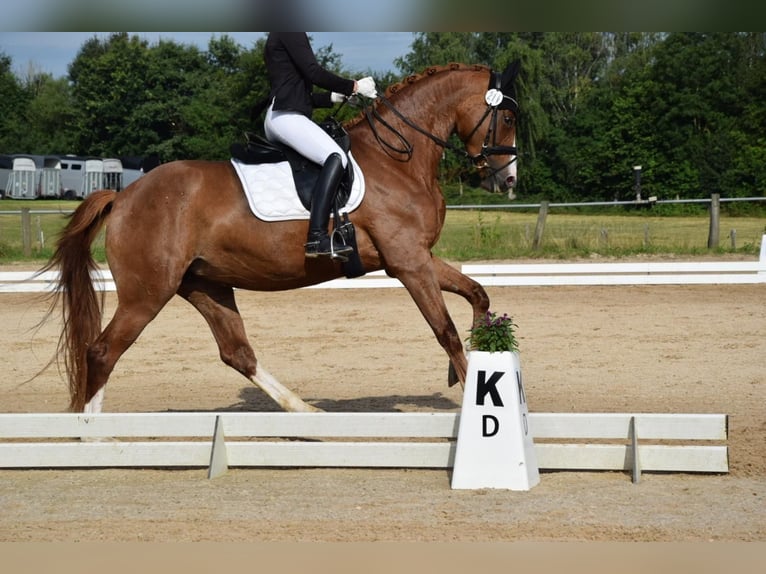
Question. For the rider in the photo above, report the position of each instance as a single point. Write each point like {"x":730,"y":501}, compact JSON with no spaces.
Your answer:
{"x":293,"y":72}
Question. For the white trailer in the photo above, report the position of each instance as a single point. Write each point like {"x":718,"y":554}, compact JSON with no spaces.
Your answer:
{"x":6,"y":167}
{"x":21,"y":181}
{"x":49,"y":182}
{"x":112,"y":174}
{"x":93,"y":178}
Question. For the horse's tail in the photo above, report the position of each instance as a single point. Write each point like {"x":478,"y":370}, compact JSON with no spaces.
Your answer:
{"x":82,"y":309}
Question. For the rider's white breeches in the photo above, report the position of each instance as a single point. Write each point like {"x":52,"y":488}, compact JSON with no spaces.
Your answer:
{"x":301,"y":134}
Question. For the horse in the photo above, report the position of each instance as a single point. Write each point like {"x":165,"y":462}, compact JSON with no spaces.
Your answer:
{"x":184,"y":228}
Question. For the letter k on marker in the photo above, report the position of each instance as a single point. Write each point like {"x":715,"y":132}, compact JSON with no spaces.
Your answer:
{"x":484,"y":387}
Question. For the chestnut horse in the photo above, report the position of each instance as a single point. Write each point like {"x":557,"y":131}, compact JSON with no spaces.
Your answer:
{"x":185,"y":228}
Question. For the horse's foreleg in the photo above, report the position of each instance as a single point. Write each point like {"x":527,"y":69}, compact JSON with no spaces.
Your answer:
{"x":425,"y":288}
{"x":216,"y":304}
{"x":453,"y":281}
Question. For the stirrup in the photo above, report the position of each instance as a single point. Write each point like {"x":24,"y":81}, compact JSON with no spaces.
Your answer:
{"x":324,"y":246}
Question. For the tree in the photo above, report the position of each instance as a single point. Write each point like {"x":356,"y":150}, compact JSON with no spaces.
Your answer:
{"x":699,"y":98}
{"x":438,"y":48}
{"x":690,"y":108}
{"x":13,"y":103}
{"x":612,"y":131}
{"x":48,"y":114}
{"x":109,"y":81}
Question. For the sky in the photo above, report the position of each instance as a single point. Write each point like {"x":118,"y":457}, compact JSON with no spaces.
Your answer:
{"x":52,"y":52}
{"x":379,"y":17}
{"x":349,"y":15}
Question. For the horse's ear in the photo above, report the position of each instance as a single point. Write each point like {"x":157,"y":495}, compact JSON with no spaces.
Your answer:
{"x":510,"y":74}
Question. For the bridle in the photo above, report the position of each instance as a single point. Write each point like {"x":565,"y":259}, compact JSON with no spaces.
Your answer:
{"x":495,"y":99}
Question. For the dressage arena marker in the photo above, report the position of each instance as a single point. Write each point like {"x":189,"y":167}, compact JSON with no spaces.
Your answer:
{"x":566,"y":441}
{"x":494,"y":444}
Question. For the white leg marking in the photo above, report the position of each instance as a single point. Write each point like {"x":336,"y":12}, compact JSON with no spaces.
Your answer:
{"x":283,"y":396}
{"x":94,"y":405}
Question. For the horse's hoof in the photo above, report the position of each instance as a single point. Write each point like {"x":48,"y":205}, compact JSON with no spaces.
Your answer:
{"x":452,"y":379}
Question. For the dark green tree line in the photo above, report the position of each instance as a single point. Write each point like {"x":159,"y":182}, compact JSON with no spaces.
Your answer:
{"x":690,"y":108}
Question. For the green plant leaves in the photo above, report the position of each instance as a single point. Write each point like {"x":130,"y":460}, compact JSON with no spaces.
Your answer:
{"x":493,"y":334}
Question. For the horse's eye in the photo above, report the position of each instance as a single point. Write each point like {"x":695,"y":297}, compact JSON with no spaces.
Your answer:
{"x":508,"y":120}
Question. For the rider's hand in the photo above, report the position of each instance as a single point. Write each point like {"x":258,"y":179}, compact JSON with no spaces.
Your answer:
{"x":337,"y":98}
{"x":366,"y":87}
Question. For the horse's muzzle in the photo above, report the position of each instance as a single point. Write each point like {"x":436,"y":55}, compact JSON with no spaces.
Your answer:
{"x":497,"y":184}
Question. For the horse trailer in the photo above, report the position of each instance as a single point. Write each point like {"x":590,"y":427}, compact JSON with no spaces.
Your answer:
{"x":6,"y":167}
{"x":62,"y":176}
{"x":22,"y":179}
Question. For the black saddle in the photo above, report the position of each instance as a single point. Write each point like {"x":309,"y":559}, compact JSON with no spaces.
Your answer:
{"x":259,"y":150}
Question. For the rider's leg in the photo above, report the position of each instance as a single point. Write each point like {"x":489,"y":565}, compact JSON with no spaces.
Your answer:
{"x":318,"y":241}
{"x":312,"y":142}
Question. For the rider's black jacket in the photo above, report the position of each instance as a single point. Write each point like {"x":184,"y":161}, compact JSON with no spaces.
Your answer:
{"x":294,"y":71}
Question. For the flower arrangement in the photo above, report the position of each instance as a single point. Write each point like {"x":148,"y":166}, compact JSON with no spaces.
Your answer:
{"x":493,"y":334}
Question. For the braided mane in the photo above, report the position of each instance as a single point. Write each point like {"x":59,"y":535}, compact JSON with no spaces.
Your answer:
{"x":415,"y":78}
{"x":431,"y":71}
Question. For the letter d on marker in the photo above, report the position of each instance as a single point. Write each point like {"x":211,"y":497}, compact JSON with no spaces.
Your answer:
{"x":494,"y":448}
{"x":489,"y":428}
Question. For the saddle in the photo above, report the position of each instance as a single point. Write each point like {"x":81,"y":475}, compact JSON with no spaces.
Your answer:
{"x":259,"y":150}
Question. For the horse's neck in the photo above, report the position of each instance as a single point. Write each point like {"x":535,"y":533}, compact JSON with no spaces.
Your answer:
{"x":433,"y":103}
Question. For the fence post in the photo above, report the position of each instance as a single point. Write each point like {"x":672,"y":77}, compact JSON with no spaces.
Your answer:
{"x":715,"y":216}
{"x":540,"y":227}
{"x":26,"y":232}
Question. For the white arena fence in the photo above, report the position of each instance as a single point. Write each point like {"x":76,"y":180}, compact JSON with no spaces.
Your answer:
{"x":532,"y":274}
{"x":569,"y":441}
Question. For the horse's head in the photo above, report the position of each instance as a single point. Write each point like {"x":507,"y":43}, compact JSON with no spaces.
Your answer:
{"x":488,"y":130}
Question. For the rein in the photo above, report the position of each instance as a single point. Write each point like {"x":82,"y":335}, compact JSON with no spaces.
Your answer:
{"x":372,"y":115}
{"x":479,"y":160}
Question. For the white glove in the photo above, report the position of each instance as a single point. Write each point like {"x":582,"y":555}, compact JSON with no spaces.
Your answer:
{"x":366,"y":87}
{"x":337,"y":98}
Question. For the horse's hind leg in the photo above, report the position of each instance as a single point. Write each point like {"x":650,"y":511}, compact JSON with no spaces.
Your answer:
{"x":126,"y":325}
{"x":216,"y":304}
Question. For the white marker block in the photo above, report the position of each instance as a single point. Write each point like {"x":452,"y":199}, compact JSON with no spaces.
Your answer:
{"x":494,"y":443}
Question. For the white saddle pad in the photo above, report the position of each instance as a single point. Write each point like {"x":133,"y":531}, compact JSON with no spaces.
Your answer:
{"x":271,"y":193}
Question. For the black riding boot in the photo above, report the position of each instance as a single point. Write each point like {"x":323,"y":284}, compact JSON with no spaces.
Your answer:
{"x":318,"y":241}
